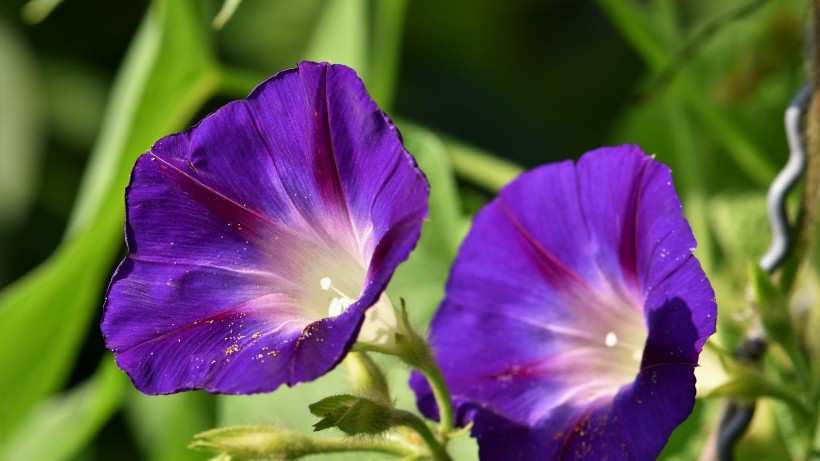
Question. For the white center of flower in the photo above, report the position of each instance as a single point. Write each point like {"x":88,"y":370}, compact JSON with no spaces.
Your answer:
{"x":339,"y":303}
{"x":380,"y":325}
{"x":600,"y":350}
{"x":611,"y":339}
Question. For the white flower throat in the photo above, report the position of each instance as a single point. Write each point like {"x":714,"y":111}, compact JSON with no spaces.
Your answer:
{"x":380,"y":325}
{"x":339,"y":303}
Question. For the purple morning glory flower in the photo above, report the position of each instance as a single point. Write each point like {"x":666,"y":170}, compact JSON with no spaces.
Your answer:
{"x":258,"y":239}
{"x":575,"y":313}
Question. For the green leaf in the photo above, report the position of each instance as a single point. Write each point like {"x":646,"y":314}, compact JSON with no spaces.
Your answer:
{"x":165,"y":79}
{"x":643,"y":32}
{"x":388,"y":25}
{"x":225,"y":13}
{"x":341,"y":35}
{"x":420,"y":280}
{"x":329,"y":404}
{"x":773,"y":307}
{"x":163,"y":425}
{"x":36,"y":10}
{"x":352,"y":415}
{"x":749,"y":383}
{"x":479,"y":167}
{"x":776,"y":318}
{"x":21,"y":127}
{"x":741,"y":227}
{"x":59,"y":427}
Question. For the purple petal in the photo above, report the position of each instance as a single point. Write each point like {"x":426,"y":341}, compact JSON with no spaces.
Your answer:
{"x":233,"y":226}
{"x":571,"y":286}
{"x":633,"y":426}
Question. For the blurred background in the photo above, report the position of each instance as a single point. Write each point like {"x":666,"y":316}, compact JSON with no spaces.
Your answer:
{"x":87,"y":86}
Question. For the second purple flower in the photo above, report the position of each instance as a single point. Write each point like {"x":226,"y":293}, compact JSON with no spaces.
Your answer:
{"x":575,"y":313}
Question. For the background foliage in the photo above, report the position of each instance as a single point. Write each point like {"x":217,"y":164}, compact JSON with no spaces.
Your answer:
{"x":701,"y":84}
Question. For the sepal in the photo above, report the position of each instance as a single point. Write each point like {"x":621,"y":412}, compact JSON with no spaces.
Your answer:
{"x":353,"y":415}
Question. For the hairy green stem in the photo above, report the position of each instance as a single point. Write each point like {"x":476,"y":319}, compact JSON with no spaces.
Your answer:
{"x":405,"y":418}
{"x":361,"y":444}
{"x":419,"y":356}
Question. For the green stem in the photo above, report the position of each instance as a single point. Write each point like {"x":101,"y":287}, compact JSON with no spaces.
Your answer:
{"x":360,"y":444}
{"x":435,"y":378}
{"x":415,"y":423}
{"x":418,"y":355}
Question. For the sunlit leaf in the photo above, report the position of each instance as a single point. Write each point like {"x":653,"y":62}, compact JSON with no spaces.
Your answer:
{"x":166,"y":77}
{"x":58,"y":428}
{"x":340,"y":36}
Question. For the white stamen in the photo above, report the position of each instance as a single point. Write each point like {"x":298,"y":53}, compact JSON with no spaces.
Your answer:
{"x":325,"y":283}
{"x":337,"y":306}
{"x":339,"y":303}
{"x":611,"y":339}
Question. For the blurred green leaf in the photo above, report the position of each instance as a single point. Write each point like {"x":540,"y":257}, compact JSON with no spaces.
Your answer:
{"x":638,"y":26}
{"x":388,"y":26}
{"x":479,"y":167}
{"x":268,"y":36}
{"x":341,"y":34}
{"x":164,"y":424}
{"x":76,"y":96}
{"x":58,"y":428}
{"x":21,"y":127}
{"x":36,"y":10}
{"x":776,"y":318}
{"x":225,"y":13}
{"x":749,"y":383}
{"x":741,"y":227}
{"x":420,"y":280}
{"x":165,"y":79}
